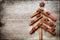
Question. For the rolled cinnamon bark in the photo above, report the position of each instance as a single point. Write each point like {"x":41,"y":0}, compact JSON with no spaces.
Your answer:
{"x":53,"y":33}
{"x":35,"y":28}
{"x":38,"y":16}
{"x":48,"y":22}
{"x":40,"y":24}
{"x":49,"y":30}
{"x":37,"y":12}
{"x":48,"y":15}
{"x":40,"y":34}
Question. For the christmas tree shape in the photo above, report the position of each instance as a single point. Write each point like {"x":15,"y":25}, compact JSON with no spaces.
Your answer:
{"x":39,"y":17}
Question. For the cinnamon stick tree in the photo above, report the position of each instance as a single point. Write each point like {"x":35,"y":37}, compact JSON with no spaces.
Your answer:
{"x":39,"y":17}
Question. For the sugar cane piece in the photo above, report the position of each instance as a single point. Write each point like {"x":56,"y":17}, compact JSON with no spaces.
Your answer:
{"x":47,"y":21}
{"x":48,"y":15}
{"x":37,"y":12}
{"x":35,"y":28}
{"x":39,"y":16}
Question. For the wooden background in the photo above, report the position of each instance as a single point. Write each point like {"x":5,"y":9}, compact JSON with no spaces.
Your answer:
{"x":16,"y":18}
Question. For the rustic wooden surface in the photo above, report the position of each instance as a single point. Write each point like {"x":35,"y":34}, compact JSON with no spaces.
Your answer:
{"x":16,"y":17}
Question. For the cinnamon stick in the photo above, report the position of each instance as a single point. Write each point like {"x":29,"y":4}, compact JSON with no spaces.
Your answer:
{"x":40,"y":24}
{"x":48,"y":22}
{"x":38,"y":16}
{"x":49,"y":15}
{"x":37,"y":12}
{"x":40,"y":33}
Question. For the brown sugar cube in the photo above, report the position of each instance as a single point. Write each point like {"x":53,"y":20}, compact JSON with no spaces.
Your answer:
{"x":47,"y":21}
{"x":35,"y":28}
{"x":39,"y":16}
{"x":48,"y":15}
{"x":37,"y":12}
